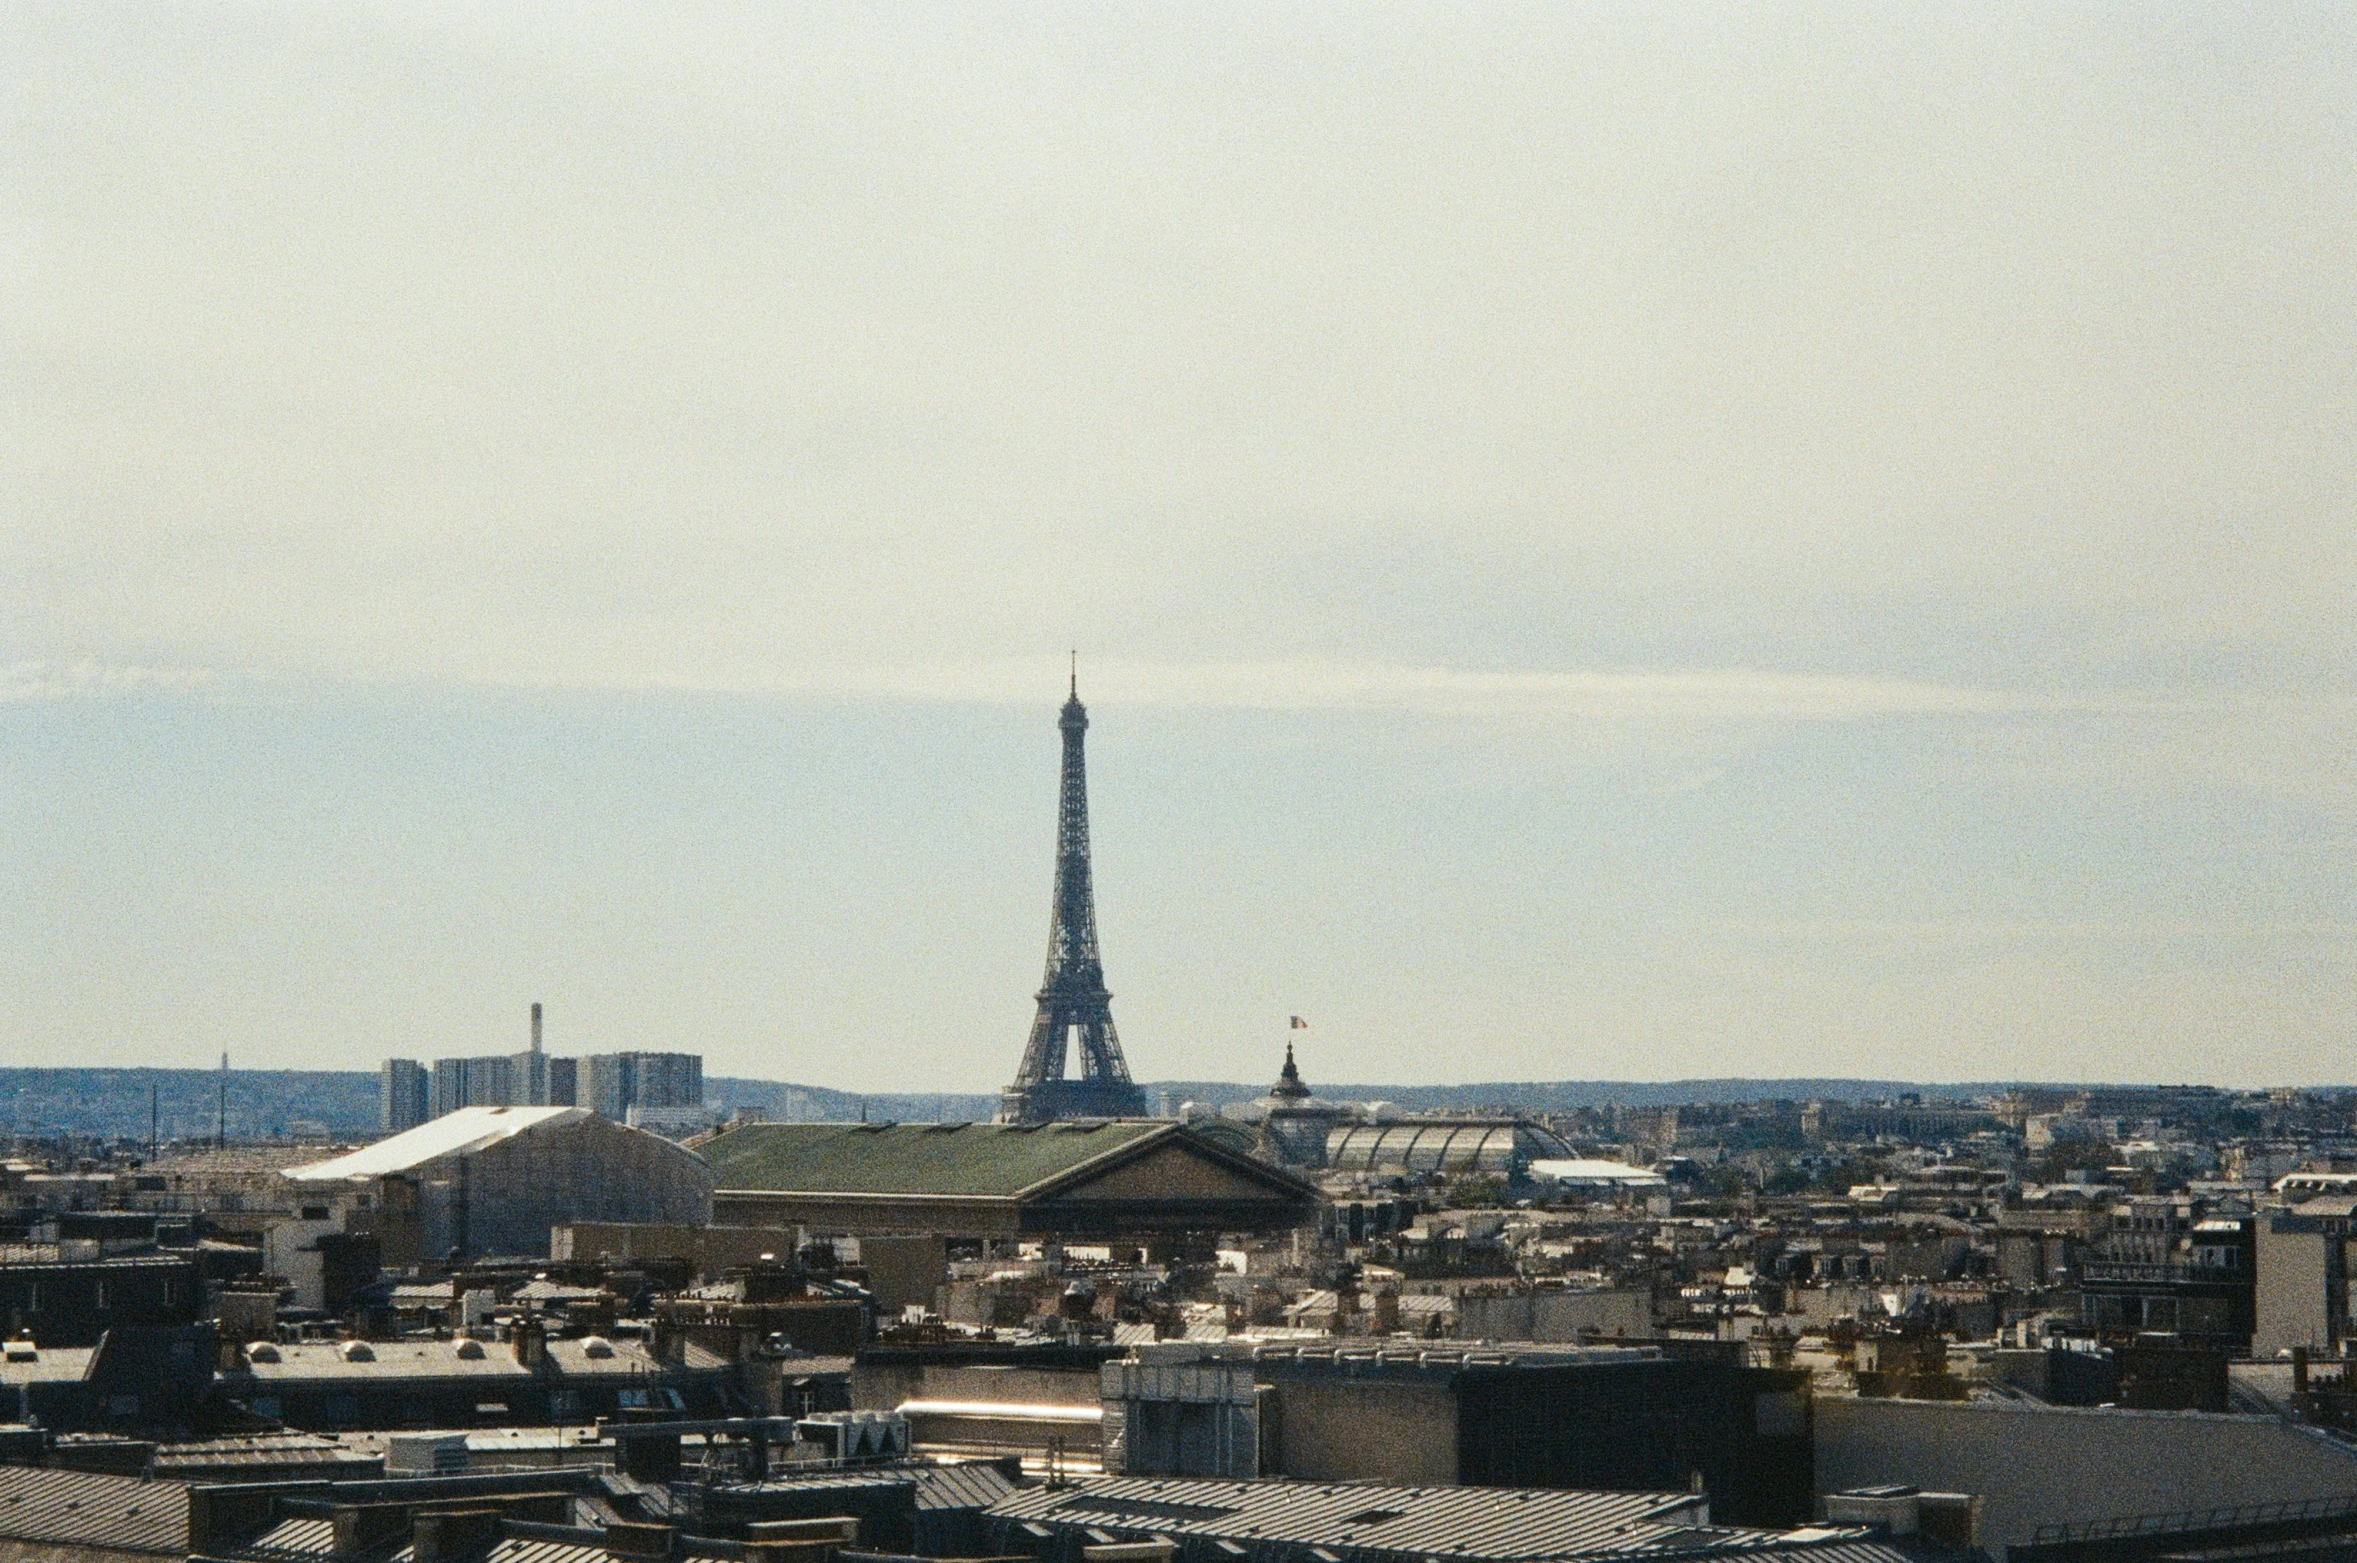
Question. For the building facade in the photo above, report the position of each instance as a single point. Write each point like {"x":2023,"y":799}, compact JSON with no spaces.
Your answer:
{"x":498,"y":1180}
{"x":405,"y":1095}
{"x":2301,"y":1259}
{"x":1526,"y":1416}
{"x":1145,"y":1180}
{"x":2176,"y":1273}
{"x":488,"y":1081}
{"x":613,"y":1083}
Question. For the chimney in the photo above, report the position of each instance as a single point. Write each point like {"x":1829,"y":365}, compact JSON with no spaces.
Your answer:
{"x":454,"y":1535}
{"x":800,"y":1541}
{"x":1160,"y":1550}
{"x":635,"y":1540}
{"x":531,"y":1344}
{"x":535,"y":1025}
{"x":363,"y":1528}
{"x":839,"y":1528}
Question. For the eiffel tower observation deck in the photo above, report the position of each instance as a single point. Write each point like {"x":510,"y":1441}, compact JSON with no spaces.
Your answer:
{"x":1075,"y":1019}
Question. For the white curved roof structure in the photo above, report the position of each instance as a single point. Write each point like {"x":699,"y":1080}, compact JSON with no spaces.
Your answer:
{"x":459,"y":1133}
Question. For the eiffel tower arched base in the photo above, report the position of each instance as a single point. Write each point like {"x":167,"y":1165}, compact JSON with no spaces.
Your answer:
{"x":1048,"y":1100}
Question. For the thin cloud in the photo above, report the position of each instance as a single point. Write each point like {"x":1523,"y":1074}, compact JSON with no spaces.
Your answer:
{"x":1303,"y":684}
{"x":43,"y":678}
{"x":1315,"y":684}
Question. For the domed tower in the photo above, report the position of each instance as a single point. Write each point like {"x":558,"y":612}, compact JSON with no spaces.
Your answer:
{"x":1289,"y":1087}
{"x":1293,"y":1123}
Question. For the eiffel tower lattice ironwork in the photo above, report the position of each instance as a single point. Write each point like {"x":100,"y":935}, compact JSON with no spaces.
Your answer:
{"x":1075,"y":1011}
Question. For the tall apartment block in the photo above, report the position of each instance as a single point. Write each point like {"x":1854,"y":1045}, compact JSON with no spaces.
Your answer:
{"x":488,"y":1081}
{"x":404,"y":1095}
{"x":613,"y":1083}
{"x":608,"y":1083}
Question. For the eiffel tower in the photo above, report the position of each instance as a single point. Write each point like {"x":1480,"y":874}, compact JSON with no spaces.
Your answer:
{"x":1075,"y":1011}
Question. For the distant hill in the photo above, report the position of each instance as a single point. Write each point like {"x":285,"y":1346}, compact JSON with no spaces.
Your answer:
{"x":272,"y":1103}
{"x":1564,"y":1095}
{"x":781,"y":1099}
{"x":262,"y":1103}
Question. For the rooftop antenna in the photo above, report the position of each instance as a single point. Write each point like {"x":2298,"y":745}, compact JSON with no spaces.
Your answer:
{"x":221,"y":1122}
{"x":1076,"y":672}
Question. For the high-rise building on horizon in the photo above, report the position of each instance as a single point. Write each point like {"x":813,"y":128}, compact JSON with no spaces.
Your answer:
{"x":1075,"y":1011}
{"x":486,"y":1081}
{"x":613,"y":1083}
{"x":607,"y":1083}
{"x":405,"y":1095}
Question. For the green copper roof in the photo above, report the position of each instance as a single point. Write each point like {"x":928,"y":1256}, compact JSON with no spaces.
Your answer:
{"x":986,"y":1159}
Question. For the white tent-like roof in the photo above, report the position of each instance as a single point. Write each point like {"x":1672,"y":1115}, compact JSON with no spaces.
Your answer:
{"x":459,"y":1133}
{"x":1582,"y":1170}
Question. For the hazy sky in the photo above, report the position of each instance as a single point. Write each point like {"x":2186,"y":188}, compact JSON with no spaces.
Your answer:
{"x":1603,"y":541}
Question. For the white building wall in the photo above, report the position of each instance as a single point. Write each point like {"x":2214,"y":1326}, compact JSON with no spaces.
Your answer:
{"x":586,"y":1169}
{"x":1555,"y":1316}
{"x":2294,"y":1290}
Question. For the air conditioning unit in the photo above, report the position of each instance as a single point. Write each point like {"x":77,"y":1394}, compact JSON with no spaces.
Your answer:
{"x":854,"y":1437}
{"x":426,"y":1454}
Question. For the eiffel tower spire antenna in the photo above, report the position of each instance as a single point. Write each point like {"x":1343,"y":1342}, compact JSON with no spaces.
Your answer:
{"x":1075,"y":1010}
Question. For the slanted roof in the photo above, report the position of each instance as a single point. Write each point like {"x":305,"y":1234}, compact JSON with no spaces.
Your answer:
{"x":76,"y":1509}
{"x":460,"y":1133}
{"x":988,"y":1160}
{"x":296,"y":1362}
{"x":48,"y":1365}
{"x":2331,"y":1205}
{"x":971,"y":1484}
{"x":1581,"y":1169}
{"x":1432,"y":1522}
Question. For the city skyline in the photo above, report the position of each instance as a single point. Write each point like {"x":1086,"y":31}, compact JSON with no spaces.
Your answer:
{"x":1639,"y":547}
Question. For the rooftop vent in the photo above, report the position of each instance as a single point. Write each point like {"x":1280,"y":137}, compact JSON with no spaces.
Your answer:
{"x":357,"y":1351}
{"x":20,"y":1351}
{"x":262,"y":1351}
{"x":471,"y":1350}
{"x":596,"y":1346}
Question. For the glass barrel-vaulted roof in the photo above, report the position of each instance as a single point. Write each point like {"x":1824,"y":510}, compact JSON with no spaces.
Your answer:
{"x":1441,"y":1145}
